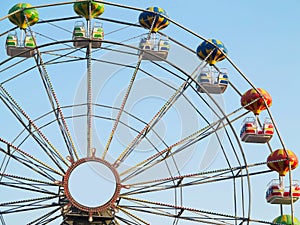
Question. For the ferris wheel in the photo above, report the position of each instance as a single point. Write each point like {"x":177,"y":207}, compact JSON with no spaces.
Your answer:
{"x":113,"y":114}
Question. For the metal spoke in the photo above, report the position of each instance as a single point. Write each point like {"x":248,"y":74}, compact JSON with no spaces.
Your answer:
{"x":26,"y":204}
{"x":53,"y":100}
{"x":170,"y":207}
{"x":132,"y":216}
{"x":157,"y":116}
{"x":159,"y":186}
{"x":46,"y":218}
{"x":41,"y":139}
{"x":27,"y":187}
{"x":126,"y":96}
{"x":198,"y":135}
{"x":25,"y":157}
{"x":27,"y":183}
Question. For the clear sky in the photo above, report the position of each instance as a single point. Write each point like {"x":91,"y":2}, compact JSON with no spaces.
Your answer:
{"x":262,"y":38}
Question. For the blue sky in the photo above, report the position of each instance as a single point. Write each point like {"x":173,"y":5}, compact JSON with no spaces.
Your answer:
{"x":262,"y":38}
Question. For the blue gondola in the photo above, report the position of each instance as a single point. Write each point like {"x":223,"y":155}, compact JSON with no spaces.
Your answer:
{"x":213,"y":82}
{"x":154,"y":49}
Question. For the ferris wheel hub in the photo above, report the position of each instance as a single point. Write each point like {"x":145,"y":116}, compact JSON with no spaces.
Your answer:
{"x":92,"y":185}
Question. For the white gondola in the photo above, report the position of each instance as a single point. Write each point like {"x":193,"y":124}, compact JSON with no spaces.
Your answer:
{"x":213,"y":82}
{"x":252,"y":132}
{"x":81,"y":39}
{"x":277,"y":194}
{"x":97,"y":35}
{"x":154,"y":49}
{"x":15,"y":48}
